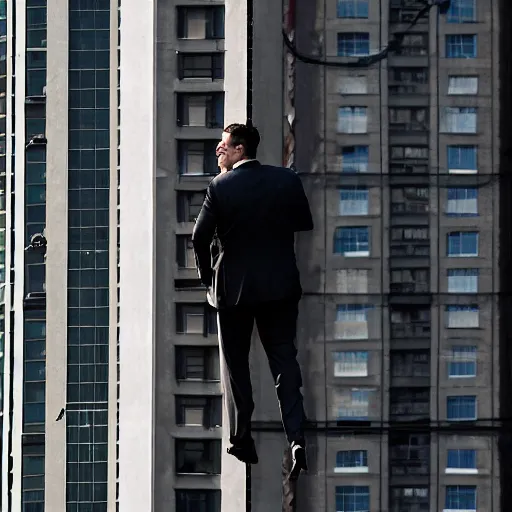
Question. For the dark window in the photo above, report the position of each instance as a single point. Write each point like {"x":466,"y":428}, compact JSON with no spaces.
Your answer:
{"x":185,"y":252}
{"x":201,"y":22}
{"x":195,"y":319}
{"x":409,"y":200}
{"x":189,"y":205}
{"x":410,"y":363}
{"x":201,"y":65}
{"x":409,"y":152}
{"x":411,"y":499}
{"x":197,"y":363}
{"x":409,"y":454}
{"x":198,"y":500}
{"x":200,"y":110}
{"x":408,"y":80}
{"x":197,"y":157}
{"x":411,"y":280}
{"x":199,"y":411}
{"x":414,"y":45}
{"x":410,"y":322}
{"x":408,"y":404}
{"x":198,"y":456}
{"x":408,"y":119}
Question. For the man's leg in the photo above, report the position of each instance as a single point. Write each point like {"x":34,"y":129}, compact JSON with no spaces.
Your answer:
{"x":235,"y":330}
{"x":277,"y":327}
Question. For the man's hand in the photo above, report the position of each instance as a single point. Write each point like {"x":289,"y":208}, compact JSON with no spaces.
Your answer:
{"x":220,"y":153}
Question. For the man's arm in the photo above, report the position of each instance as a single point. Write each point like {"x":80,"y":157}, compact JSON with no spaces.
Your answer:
{"x":202,"y":236}
{"x":303,"y":220}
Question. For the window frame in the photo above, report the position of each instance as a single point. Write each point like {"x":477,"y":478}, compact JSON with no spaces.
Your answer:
{"x":349,"y":44}
{"x":352,"y":235}
{"x":458,"y":43}
{"x":450,"y":401}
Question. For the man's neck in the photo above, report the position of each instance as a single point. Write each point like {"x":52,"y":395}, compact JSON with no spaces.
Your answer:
{"x":240,"y":162}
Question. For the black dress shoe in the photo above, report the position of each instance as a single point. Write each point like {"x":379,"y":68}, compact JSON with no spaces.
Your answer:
{"x":245,"y":452}
{"x":299,"y":461}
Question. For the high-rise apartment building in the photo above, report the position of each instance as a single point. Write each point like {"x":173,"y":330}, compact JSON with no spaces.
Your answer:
{"x":110,"y":388}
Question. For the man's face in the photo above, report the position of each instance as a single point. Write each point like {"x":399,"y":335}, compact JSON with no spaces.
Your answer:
{"x":228,"y":154}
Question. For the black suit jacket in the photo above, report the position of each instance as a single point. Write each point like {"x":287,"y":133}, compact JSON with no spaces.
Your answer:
{"x":255,"y":209}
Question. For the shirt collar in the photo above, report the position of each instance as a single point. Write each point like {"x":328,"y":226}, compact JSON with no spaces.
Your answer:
{"x":240,"y":162}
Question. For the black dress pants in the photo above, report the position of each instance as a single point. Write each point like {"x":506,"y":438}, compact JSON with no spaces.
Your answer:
{"x":277,"y":326}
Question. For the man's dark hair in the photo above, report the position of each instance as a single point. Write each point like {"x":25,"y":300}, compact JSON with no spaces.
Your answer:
{"x":246,"y":136}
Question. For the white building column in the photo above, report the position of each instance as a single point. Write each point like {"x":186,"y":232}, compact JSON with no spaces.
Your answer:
{"x":137,"y":280}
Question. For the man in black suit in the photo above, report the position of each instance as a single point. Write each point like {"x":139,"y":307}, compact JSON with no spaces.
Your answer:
{"x":255,"y":210}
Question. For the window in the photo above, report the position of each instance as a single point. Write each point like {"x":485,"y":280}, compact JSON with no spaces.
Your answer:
{"x":462,"y":159}
{"x":409,"y":152}
{"x":461,"y":408}
{"x":410,"y":322}
{"x":352,"y":8}
{"x":411,"y":234}
{"x":353,"y":44}
{"x":408,"y":404}
{"x":409,"y":200}
{"x":354,"y":159}
{"x":200,"y":110}
{"x":199,"y":411}
{"x":410,"y":363}
{"x":189,"y":205}
{"x":353,"y":85}
{"x":198,"y":500}
{"x":461,"y":462}
{"x":352,"y":120}
{"x":409,"y":455}
{"x":353,"y":404}
{"x":195,"y":319}
{"x":198,"y":456}
{"x":352,"y":281}
{"x":201,"y":65}
{"x":462,"y":244}
{"x":460,"y":85}
{"x":33,"y":477}
{"x":410,"y":280}
{"x":462,"y":362}
{"x":460,"y":497}
{"x":410,"y":499}
{"x":462,"y":317}
{"x":350,"y":364}
{"x":197,"y":363}
{"x":352,"y":241}
{"x":351,"y":461}
{"x":458,"y":120}
{"x":408,"y":119}
{"x":353,"y":201}
{"x":413,"y":45}
{"x":461,"y":11}
{"x":352,"y":321}
{"x":408,"y":80}
{"x":463,"y":280}
{"x":197,"y":157}
{"x":201,"y":22}
{"x":352,"y":498}
{"x":185,"y":252}
{"x":461,"y":46}
{"x":462,"y":202}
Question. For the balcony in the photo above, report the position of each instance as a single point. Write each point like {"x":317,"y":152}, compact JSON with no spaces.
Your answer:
{"x":410,"y":322}
{"x":409,"y":404}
